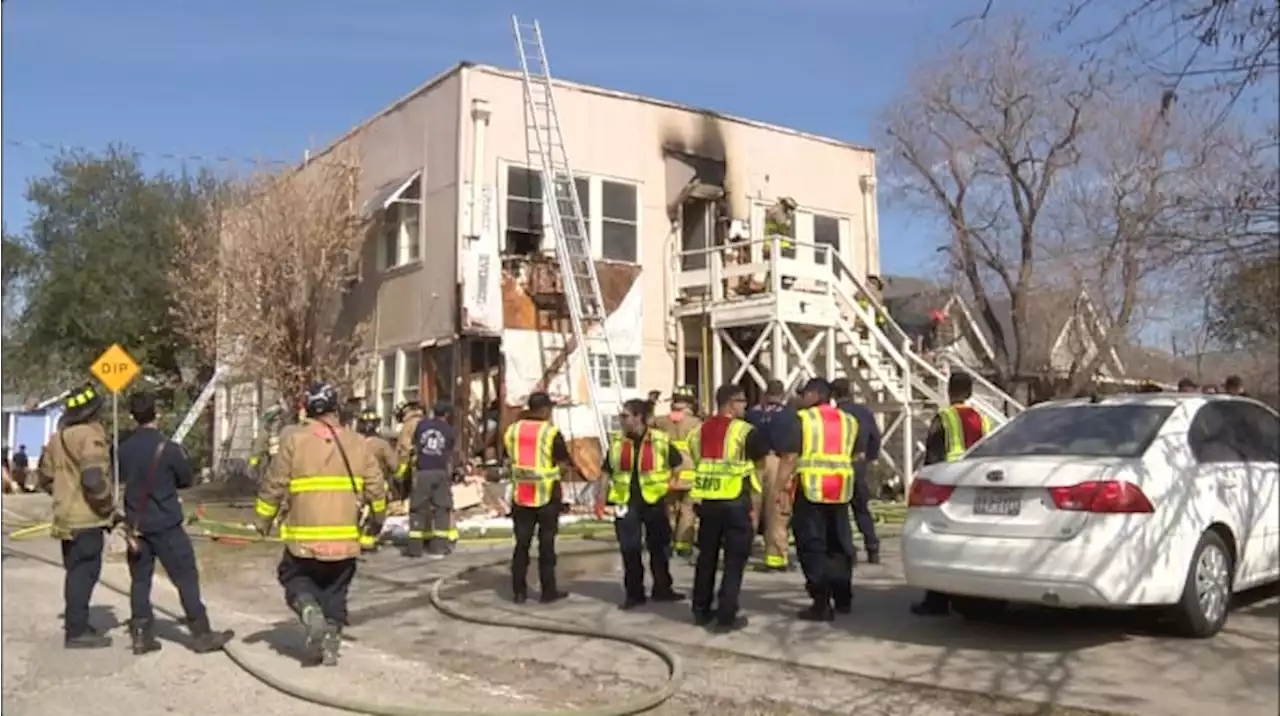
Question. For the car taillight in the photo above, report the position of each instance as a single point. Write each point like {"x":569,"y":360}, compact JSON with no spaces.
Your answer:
{"x":1106,"y":496}
{"x":928,"y":494}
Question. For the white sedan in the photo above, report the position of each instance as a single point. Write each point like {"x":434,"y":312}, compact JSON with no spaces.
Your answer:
{"x":1134,"y":500}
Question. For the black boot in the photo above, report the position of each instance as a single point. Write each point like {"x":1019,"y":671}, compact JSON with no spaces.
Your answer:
{"x":204,"y":640}
{"x":313,"y":629}
{"x":873,"y":556}
{"x":817,"y":612}
{"x":87,"y":639}
{"x":142,"y":634}
{"x":331,"y":644}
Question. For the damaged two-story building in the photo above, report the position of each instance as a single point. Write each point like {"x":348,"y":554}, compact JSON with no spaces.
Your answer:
{"x":461,"y":283}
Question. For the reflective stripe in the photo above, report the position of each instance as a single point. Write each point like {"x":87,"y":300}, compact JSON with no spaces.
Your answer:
{"x":378,"y":506}
{"x":368,"y":541}
{"x":417,"y":534}
{"x":294,"y":533}
{"x":265,"y":509}
{"x":654,"y":472}
{"x":326,"y":483}
{"x":825,"y":464}
{"x":721,"y":466}
{"x":953,"y":431}
{"x":402,"y":470}
{"x":533,"y":469}
{"x":774,"y":560}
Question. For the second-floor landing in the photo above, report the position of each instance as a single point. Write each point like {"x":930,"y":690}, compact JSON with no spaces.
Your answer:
{"x":750,"y":282}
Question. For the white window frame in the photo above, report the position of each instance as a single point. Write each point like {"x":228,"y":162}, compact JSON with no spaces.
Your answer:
{"x":628,"y":365}
{"x":401,"y":219}
{"x":592,"y":211}
{"x":403,"y":386}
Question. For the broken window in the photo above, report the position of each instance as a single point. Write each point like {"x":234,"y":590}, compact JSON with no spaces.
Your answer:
{"x":826,"y":232}
{"x":619,"y":222}
{"x":524,"y":211}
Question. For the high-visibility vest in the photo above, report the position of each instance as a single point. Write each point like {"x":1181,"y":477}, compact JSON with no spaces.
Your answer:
{"x":721,"y":464}
{"x":654,"y":472}
{"x":953,"y":430}
{"x":825,"y":464}
{"x":533,"y":471}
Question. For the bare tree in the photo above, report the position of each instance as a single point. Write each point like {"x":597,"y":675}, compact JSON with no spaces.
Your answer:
{"x":1053,"y":175}
{"x":262,"y":286}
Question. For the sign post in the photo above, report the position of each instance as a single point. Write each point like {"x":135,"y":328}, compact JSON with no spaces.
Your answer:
{"x":115,"y":369}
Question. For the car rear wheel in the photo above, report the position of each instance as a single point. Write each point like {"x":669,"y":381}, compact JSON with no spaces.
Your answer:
{"x":978,"y":608}
{"x":1206,"y":595}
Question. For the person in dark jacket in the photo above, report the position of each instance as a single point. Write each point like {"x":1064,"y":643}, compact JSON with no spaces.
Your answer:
{"x":152,"y":470}
{"x":867,"y":446}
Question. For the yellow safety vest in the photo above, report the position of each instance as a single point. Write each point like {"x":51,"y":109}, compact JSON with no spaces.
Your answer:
{"x":825,"y":464}
{"x":720,"y":469}
{"x":654,"y":472}
{"x":953,"y":430}
{"x":533,"y":471}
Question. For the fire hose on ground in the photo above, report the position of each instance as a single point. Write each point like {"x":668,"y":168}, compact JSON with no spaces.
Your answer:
{"x":240,"y":655}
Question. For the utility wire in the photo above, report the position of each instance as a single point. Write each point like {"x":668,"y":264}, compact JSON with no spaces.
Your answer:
{"x":57,"y":147}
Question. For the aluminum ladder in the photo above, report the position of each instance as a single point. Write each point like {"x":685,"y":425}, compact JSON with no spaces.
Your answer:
{"x":563,"y":208}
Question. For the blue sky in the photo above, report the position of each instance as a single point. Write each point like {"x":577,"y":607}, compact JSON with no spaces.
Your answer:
{"x":265,"y":79}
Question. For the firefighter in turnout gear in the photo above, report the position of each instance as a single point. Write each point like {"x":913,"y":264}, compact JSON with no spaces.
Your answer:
{"x":724,"y":448}
{"x":368,"y":425}
{"x":407,"y":414}
{"x":539,"y":458}
{"x":956,"y":429}
{"x":431,"y":502}
{"x":679,"y":424}
{"x":780,"y":221}
{"x":327,"y":472}
{"x":638,"y":469}
{"x":817,"y":453}
{"x":384,"y":455}
{"x":267,"y":444}
{"x":75,"y":467}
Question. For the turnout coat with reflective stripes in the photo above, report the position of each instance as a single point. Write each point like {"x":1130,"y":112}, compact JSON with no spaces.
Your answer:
{"x":324,"y":499}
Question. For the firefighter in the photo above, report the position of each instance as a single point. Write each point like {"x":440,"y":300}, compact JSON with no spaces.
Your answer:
{"x":327,"y":472}
{"x":152,"y":471}
{"x":76,"y":465}
{"x":408,"y":414}
{"x":724,"y":449}
{"x":956,"y":428}
{"x":539,"y":458}
{"x":775,"y":507}
{"x":267,"y":444}
{"x":431,"y":502}
{"x":679,"y":423}
{"x":367,"y":424}
{"x":817,"y":453}
{"x":638,"y":469}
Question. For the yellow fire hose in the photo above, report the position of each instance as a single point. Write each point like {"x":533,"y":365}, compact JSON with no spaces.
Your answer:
{"x":239,"y":655}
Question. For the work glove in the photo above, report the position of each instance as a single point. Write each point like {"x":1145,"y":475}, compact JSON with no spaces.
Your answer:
{"x":373,"y":526}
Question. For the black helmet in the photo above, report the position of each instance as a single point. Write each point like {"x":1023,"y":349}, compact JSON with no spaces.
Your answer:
{"x":368,"y":422}
{"x":321,"y":399}
{"x":405,"y":407}
{"x":82,"y":405}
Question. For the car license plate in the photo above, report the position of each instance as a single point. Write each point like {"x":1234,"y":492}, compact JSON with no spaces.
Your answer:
{"x":1004,"y":503}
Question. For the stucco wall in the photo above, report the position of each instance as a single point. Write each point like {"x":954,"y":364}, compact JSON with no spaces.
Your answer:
{"x":615,"y":136}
